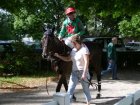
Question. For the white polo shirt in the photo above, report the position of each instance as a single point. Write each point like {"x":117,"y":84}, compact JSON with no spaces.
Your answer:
{"x":78,"y":57}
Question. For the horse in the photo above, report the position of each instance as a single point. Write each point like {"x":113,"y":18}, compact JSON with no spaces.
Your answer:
{"x":51,"y":44}
{"x":57,"y":65}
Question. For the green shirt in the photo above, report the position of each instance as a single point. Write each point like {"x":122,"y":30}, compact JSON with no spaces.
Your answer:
{"x":111,"y":51}
{"x":70,"y":28}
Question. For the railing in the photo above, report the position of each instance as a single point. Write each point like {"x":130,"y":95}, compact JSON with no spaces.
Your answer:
{"x":131,"y":99}
{"x":64,"y":99}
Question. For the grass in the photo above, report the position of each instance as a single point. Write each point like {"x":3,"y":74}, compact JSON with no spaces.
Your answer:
{"x":22,"y":82}
{"x":34,"y":80}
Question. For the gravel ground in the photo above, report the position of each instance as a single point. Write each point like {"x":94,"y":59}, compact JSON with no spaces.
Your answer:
{"x":112,"y":91}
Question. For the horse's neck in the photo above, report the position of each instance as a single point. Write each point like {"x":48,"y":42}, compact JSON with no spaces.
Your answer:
{"x":62,"y":48}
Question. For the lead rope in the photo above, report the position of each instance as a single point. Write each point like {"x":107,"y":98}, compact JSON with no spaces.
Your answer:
{"x":47,"y":86}
{"x":89,"y":81}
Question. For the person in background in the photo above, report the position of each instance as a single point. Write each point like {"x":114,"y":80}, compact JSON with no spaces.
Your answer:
{"x":72,"y":26}
{"x":80,"y":62}
{"x":112,"y":57}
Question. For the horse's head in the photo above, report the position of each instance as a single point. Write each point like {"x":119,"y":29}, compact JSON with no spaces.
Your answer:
{"x":51,"y":44}
{"x":47,"y":43}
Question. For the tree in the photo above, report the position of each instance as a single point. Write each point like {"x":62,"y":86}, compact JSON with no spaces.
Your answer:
{"x":110,"y":14}
{"x":5,"y":26}
{"x":29,"y":16}
{"x":107,"y":12}
{"x":130,"y":27}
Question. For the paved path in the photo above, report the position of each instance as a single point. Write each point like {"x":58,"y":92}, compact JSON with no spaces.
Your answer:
{"x":112,"y":91}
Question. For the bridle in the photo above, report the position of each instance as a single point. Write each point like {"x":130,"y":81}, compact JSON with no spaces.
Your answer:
{"x":51,"y":45}
{"x":46,"y":54}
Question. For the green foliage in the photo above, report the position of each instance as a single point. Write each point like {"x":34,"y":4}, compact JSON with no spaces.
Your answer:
{"x":25,"y":23}
{"x":23,"y":61}
{"x":30,"y":15}
{"x":5,"y":26}
{"x":130,"y":27}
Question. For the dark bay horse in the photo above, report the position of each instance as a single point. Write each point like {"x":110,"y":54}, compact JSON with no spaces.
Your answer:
{"x":51,"y":44}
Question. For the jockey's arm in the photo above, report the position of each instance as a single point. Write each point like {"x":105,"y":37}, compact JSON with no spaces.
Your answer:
{"x":62,"y":32}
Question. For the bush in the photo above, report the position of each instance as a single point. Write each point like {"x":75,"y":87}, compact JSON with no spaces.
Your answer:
{"x":22,"y":62}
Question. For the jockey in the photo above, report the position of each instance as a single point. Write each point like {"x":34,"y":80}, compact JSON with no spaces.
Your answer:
{"x":71,"y":27}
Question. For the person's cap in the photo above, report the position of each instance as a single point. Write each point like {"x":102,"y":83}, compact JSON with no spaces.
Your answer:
{"x":69,"y":10}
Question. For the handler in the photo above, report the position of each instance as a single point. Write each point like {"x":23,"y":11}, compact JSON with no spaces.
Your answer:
{"x":80,"y":59}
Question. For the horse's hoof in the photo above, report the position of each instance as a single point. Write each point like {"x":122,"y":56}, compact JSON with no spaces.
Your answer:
{"x":98,"y":96}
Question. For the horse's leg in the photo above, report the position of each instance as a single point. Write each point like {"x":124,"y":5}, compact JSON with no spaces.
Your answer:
{"x":65,"y":82}
{"x":97,"y":66}
{"x":98,"y":76}
{"x":62,"y":80}
{"x":59,"y":84}
{"x":91,"y":70}
{"x":99,"y":84}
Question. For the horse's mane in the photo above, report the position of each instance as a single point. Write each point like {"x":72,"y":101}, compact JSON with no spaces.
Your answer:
{"x":60,"y":46}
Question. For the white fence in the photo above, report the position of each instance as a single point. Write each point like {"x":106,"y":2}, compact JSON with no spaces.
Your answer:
{"x":132,"y":99}
{"x":64,"y":99}
{"x":136,"y":98}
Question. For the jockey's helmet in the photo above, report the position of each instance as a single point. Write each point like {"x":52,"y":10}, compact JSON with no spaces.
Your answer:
{"x":70,"y":10}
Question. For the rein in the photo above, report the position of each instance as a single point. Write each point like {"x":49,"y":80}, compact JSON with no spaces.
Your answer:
{"x":88,"y":81}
